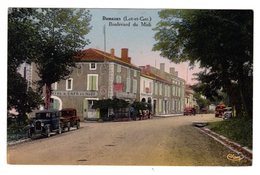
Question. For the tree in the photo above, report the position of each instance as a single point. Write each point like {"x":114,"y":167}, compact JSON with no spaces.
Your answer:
{"x":106,"y":104}
{"x":220,"y":40}
{"x":202,"y":102}
{"x":22,"y":41}
{"x":62,"y":33}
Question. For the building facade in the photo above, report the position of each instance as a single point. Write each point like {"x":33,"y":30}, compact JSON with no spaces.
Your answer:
{"x":190,"y":101}
{"x":98,"y":75}
{"x":168,"y":89}
{"x":101,"y":75}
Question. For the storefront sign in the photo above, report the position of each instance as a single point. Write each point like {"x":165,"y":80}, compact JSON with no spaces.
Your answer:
{"x":75,"y":93}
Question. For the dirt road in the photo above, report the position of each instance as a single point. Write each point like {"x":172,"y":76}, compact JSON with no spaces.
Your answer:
{"x":165,"y":141}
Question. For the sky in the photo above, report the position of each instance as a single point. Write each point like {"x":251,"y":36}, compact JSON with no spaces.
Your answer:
{"x":138,"y":39}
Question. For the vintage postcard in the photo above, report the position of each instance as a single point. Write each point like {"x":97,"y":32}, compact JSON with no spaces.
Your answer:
{"x":130,"y":87}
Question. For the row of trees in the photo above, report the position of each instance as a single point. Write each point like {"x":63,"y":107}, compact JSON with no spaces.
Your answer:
{"x":50,"y":38}
{"x":221,"y":41}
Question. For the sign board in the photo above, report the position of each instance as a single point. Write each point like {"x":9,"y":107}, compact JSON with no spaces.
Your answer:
{"x":75,"y":93}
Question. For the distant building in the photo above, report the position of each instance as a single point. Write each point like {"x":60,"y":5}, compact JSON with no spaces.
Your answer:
{"x":168,"y":89}
{"x":190,"y":101}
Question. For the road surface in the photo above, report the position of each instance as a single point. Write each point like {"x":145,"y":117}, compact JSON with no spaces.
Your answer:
{"x":171,"y":141}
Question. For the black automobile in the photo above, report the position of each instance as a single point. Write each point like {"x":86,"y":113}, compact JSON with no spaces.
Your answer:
{"x":45,"y":123}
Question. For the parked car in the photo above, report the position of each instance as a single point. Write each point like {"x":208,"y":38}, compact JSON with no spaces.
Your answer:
{"x":69,"y":118}
{"x":189,"y":111}
{"x":227,"y":113}
{"x":45,"y":122}
{"x":219,"y":110}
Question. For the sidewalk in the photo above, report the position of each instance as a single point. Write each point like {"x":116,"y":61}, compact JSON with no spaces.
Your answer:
{"x":235,"y":147}
{"x":167,"y":115}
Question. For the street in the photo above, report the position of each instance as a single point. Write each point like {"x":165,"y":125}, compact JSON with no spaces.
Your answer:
{"x":171,"y":141}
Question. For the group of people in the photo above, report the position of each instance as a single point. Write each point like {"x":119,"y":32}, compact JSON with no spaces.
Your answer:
{"x":140,"y":114}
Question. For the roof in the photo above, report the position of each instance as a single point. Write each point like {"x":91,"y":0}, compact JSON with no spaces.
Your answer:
{"x":149,"y":74}
{"x":92,"y":54}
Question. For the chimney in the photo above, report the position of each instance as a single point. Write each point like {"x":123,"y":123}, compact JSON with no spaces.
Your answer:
{"x":112,"y":52}
{"x":148,"y":68}
{"x":124,"y":53}
{"x":172,"y":70}
{"x":162,"y":67}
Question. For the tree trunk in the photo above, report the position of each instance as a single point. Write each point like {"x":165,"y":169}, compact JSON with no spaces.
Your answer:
{"x":245,"y":88}
{"x":47,"y":96}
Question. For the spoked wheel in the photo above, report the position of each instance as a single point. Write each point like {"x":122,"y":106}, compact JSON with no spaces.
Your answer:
{"x":78,"y":124}
{"x":68,"y":125}
{"x":60,"y":129}
{"x":48,"y":132}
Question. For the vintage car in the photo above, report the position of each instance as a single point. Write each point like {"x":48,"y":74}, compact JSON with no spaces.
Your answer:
{"x":219,"y":110}
{"x":45,"y":122}
{"x":69,"y":118}
{"x":189,"y":111}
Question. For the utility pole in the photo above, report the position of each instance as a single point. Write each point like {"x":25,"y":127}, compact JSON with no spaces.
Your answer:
{"x":187,"y":74}
{"x":104,"y":32}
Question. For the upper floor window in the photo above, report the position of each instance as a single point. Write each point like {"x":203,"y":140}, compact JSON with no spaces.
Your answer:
{"x":128,"y":72}
{"x":118,"y":79}
{"x":134,"y":86}
{"x":92,"y":66}
{"x":118,"y":68}
{"x":69,"y":84}
{"x":92,"y":82}
{"x":135,"y":73}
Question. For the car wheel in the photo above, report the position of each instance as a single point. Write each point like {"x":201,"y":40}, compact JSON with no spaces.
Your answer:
{"x":78,"y":124}
{"x":68,"y":125}
{"x":60,"y":129}
{"x":47,"y":132}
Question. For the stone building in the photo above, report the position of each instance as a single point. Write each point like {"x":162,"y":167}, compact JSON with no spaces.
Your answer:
{"x":98,"y":75}
{"x":168,"y":89}
{"x":190,"y":101}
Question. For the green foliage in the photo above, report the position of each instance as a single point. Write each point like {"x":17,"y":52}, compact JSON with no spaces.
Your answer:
{"x":141,"y":105}
{"x":202,"y":102}
{"x":220,"y":40}
{"x":23,"y":38}
{"x":115,"y":103}
{"x":22,"y":43}
{"x":62,"y":33}
{"x":238,"y":129}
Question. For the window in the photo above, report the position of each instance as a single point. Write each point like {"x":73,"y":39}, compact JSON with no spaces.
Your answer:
{"x":118,"y":68}
{"x":92,"y":82}
{"x":135,"y":73}
{"x":128,"y":72}
{"x":118,"y":79}
{"x":150,"y":87}
{"x":156,"y":88}
{"x":160,"y":89}
{"x":92,"y":66}
{"x":134,"y":86}
{"x":69,"y":84}
{"x":128,"y":84}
